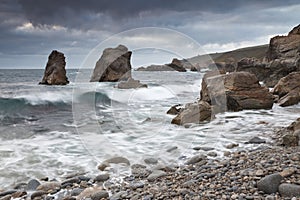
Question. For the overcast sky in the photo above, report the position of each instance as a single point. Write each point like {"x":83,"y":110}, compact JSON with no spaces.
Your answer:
{"x":31,"y":29}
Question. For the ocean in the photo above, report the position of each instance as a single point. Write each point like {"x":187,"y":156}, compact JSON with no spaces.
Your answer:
{"x":53,"y":131}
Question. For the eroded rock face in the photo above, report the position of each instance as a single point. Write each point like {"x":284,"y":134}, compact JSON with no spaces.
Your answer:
{"x":288,"y":89}
{"x":253,"y":66}
{"x":235,"y":91}
{"x":282,"y":58}
{"x":114,"y":65}
{"x":55,"y":72}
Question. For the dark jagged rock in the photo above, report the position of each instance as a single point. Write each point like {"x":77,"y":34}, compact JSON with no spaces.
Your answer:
{"x":114,"y":65}
{"x":288,"y":89}
{"x":253,"y":66}
{"x":55,"y":72}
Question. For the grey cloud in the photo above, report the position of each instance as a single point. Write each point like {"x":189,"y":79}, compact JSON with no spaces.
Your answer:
{"x":93,"y":13}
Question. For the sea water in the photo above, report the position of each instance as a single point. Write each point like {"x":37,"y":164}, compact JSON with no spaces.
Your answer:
{"x":54,"y":131}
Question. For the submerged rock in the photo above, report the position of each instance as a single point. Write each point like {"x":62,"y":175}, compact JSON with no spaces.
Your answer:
{"x":288,"y":89}
{"x":55,"y":72}
{"x":114,"y":65}
{"x":131,"y":84}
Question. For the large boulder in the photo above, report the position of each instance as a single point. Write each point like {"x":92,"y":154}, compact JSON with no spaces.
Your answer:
{"x":235,"y":91}
{"x":194,"y":113}
{"x":55,"y":72}
{"x":288,"y":89}
{"x":114,"y":65}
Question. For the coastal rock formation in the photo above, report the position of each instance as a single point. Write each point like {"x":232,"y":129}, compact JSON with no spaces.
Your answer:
{"x":222,"y":66}
{"x":285,"y":47}
{"x":114,"y":65}
{"x":288,"y":89}
{"x":130,"y":84}
{"x":175,"y":65}
{"x":236,"y":91}
{"x":156,"y":68}
{"x":282,"y":58}
{"x":194,"y":113}
{"x":55,"y":72}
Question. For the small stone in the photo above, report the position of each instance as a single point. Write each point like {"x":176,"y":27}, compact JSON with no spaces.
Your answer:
{"x":151,"y":161}
{"x":19,"y":194}
{"x":38,"y":193}
{"x":156,"y":174}
{"x":226,"y":153}
{"x":287,"y":172}
{"x":195,"y":159}
{"x":118,"y":160}
{"x":8,"y":192}
{"x":289,"y":190}
{"x":99,"y":195}
{"x":270,"y":197}
{"x":49,"y":187}
{"x":172,"y":149}
{"x":231,"y":146}
{"x":71,"y":181}
{"x":212,"y":154}
{"x":6,"y":197}
{"x":101,"y":178}
{"x":76,"y":191}
{"x":136,"y":185}
{"x":32,"y":184}
{"x":259,"y":172}
{"x":269,"y":184}
{"x":103,"y":166}
{"x":256,"y":140}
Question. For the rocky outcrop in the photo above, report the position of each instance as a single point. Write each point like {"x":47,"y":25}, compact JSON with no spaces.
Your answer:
{"x":288,"y":89}
{"x":55,"y":72}
{"x":114,"y":65}
{"x":131,"y":84}
{"x":285,"y":47}
{"x":179,"y":65}
{"x":235,"y":91}
{"x":194,"y":113}
{"x":156,"y":68}
{"x":175,"y":65}
{"x":282,"y":58}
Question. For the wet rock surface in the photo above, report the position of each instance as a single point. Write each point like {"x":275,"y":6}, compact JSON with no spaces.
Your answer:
{"x":114,"y":65}
{"x":55,"y":72}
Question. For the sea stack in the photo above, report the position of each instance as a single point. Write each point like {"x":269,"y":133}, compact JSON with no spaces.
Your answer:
{"x":114,"y":65}
{"x":55,"y":72}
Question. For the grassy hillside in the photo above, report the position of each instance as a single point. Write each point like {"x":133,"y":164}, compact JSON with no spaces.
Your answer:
{"x":258,"y":52}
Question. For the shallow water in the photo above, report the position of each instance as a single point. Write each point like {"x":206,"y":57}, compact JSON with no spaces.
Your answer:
{"x":57,"y":130}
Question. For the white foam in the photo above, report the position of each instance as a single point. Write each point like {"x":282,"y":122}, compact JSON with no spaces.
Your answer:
{"x":48,"y":96}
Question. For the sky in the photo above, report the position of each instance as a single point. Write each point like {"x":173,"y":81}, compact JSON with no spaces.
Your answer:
{"x":31,"y":29}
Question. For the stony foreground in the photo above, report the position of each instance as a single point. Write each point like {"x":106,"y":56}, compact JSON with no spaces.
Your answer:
{"x":265,"y":173}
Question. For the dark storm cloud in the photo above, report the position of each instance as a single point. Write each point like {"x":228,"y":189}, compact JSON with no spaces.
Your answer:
{"x":93,"y":13}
